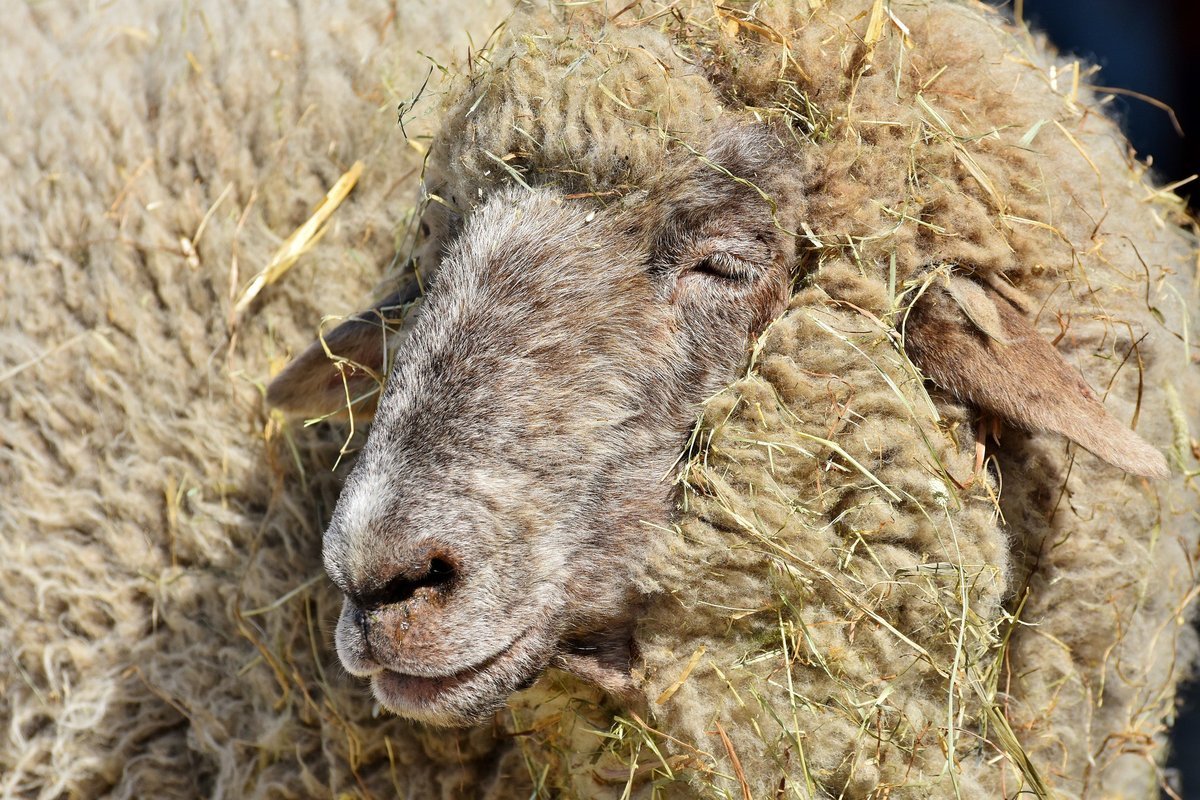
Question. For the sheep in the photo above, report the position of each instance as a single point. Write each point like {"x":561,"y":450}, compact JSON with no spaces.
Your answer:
{"x":842,"y":599}
{"x":495,"y":522}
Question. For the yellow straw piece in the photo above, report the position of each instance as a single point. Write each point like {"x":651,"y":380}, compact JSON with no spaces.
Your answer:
{"x":301,"y":240}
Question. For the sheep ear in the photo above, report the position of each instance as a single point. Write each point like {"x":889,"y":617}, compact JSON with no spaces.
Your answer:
{"x":343,"y":370}
{"x":974,"y":343}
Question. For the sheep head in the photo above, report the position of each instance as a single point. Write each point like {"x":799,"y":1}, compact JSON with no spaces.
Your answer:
{"x":522,"y":449}
{"x":526,"y":434}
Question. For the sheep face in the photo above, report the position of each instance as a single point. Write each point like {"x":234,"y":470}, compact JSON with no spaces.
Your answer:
{"x":522,"y":449}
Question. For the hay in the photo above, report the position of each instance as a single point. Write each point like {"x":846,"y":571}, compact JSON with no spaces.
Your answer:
{"x":847,"y":605}
{"x":301,"y":240}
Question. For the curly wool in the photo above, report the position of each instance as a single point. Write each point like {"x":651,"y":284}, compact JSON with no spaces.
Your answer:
{"x":163,"y":614}
{"x":831,"y":604}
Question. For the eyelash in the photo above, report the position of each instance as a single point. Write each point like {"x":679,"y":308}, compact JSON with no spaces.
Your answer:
{"x":722,"y":267}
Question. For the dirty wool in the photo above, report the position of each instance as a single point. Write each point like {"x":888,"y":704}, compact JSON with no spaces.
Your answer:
{"x":865,"y":592}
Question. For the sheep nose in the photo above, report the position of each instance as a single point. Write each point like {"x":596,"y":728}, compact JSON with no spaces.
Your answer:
{"x":429,"y":574}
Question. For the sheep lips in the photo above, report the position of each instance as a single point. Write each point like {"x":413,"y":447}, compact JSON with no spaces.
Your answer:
{"x":462,"y":696}
{"x":471,"y":694}
{"x":418,"y":696}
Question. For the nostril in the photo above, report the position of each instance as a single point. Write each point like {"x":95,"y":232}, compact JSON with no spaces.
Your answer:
{"x":435,"y":574}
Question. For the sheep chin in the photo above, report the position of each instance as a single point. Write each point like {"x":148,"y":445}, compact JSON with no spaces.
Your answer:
{"x":469,"y":696}
{"x":603,"y":659}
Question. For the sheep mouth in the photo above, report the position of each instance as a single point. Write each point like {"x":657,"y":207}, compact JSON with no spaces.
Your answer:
{"x":469,"y":695}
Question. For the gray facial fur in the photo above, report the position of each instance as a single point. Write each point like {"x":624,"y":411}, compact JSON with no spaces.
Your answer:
{"x":528,"y":430}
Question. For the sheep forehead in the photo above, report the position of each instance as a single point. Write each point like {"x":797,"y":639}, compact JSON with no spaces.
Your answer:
{"x":520,"y":237}
{"x":535,"y":305}
{"x":534,"y":286}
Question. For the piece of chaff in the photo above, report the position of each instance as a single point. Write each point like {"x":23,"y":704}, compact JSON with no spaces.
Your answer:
{"x":874,"y":32}
{"x":300,"y":241}
{"x":674,"y":687}
{"x":737,"y":762}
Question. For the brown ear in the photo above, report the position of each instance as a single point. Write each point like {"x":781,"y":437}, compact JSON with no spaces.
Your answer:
{"x":344,"y":369}
{"x":974,"y":343}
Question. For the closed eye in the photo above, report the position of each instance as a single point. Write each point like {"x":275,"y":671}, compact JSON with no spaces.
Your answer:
{"x":723,"y":266}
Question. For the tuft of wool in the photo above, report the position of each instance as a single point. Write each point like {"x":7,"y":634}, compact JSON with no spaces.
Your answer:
{"x":858,"y":583}
{"x":580,"y":104}
{"x":842,"y":609}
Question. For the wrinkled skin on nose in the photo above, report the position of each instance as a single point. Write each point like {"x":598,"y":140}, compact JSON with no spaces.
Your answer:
{"x":528,"y":429}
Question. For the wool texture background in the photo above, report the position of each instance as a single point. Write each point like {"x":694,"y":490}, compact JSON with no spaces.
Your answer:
{"x":164,"y":618}
{"x":841,"y":610}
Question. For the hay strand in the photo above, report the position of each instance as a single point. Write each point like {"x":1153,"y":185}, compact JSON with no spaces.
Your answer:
{"x":301,"y":240}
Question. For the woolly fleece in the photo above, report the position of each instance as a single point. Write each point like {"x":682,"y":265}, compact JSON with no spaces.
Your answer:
{"x":830,"y":599}
{"x":164,"y":617}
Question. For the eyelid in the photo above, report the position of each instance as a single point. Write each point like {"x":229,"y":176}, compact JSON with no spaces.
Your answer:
{"x":722,"y":266}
